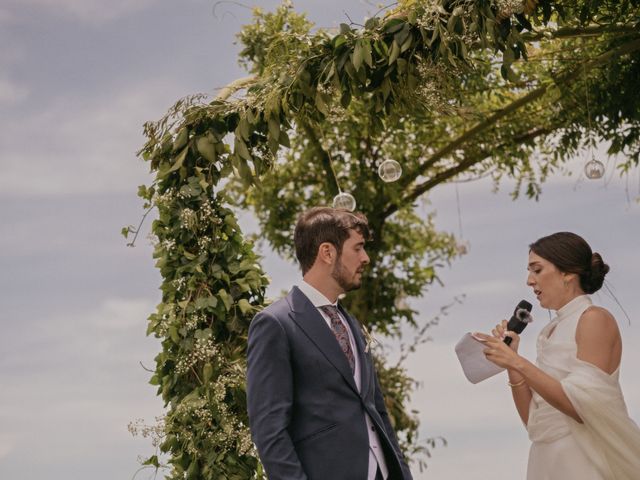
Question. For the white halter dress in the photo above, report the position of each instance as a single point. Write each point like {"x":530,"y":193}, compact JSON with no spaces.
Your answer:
{"x":606,"y":446}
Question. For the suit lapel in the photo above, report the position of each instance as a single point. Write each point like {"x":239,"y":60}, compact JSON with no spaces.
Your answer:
{"x":307,"y":317}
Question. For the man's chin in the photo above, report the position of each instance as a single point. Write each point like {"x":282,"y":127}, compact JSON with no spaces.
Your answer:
{"x":353,"y":286}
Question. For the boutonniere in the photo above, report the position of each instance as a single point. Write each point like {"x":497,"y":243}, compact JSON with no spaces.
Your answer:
{"x":369,"y":339}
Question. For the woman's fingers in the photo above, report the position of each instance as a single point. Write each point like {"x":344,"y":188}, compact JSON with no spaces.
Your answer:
{"x":482,"y":337}
{"x":500,"y":329}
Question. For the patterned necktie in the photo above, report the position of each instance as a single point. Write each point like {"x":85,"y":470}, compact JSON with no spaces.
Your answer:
{"x":340,"y":331}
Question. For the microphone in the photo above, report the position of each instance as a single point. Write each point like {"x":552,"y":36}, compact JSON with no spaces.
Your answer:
{"x":520,"y":319}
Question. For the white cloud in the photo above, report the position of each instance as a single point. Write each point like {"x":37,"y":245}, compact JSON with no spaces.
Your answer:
{"x":88,"y":11}
{"x":120,"y":313}
{"x":11,"y":93}
{"x":6,"y":445}
{"x":82,"y":147}
{"x":71,"y":384}
{"x":5,"y":16}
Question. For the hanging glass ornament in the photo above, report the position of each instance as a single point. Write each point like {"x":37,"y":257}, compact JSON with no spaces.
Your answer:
{"x":344,"y":200}
{"x":462,"y":248}
{"x":389,"y":171}
{"x":594,"y":169}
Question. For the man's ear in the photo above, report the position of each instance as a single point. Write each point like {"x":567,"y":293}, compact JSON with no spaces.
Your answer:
{"x":327,"y":253}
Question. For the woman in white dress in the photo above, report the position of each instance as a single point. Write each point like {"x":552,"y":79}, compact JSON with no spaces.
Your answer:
{"x":570,"y":399}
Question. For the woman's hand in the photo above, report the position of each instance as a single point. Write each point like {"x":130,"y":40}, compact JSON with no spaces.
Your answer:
{"x":501,"y":332}
{"x":497,"y":351}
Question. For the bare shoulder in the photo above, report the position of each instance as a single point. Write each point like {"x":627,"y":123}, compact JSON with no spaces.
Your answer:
{"x":597,"y":324}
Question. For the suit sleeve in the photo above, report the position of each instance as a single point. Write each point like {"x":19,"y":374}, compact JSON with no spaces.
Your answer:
{"x":270,"y":398}
{"x":382,"y":410}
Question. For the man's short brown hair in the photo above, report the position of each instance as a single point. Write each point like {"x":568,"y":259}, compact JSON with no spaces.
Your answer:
{"x":324,"y":224}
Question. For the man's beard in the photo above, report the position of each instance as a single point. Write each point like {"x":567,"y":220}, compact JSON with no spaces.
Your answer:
{"x":340,"y":276}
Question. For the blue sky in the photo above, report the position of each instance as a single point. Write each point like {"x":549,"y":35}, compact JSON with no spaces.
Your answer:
{"x":78,"y":78}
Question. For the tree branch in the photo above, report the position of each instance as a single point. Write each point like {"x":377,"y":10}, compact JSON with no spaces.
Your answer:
{"x":571,"y":32}
{"x":325,"y":159}
{"x":233,"y":87}
{"x":469,"y":162}
{"x":564,"y":77}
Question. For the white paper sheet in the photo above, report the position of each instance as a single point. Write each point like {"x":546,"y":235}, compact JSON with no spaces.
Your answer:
{"x":475,"y":365}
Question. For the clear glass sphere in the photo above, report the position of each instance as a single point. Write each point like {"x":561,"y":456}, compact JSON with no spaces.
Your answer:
{"x":594,"y":169}
{"x":344,"y":200}
{"x":462,"y":248}
{"x":389,"y":171}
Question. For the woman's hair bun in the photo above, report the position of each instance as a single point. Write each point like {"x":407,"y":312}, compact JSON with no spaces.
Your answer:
{"x":594,"y":278}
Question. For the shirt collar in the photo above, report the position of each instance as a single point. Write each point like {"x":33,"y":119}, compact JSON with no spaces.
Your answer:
{"x":316,"y":298}
{"x":571,"y":307}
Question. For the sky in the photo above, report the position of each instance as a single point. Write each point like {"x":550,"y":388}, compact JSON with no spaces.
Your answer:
{"x":78,"y":78}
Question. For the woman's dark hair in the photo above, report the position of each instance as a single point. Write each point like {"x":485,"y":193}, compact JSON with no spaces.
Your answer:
{"x":324,"y":224}
{"x":570,"y":253}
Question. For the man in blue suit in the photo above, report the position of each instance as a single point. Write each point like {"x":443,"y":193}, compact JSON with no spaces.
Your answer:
{"x":316,"y":411}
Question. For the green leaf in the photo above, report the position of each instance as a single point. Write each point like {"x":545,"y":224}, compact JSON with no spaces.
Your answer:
{"x":226,"y":298}
{"x":181,"y":139}
{"x":206,"y":147}
{"x":407,"y":44}
{"x":345,"y":99}
{"x":338,"y":41}
{"x":173,"y":334}
{"x":274,"y":127}
{"x":241,"y":149}
{"x":357,"y":56}
{"x":386,"y":87}
{"x":152,"y":460}
{"x":366,"y":53}
{"x":193,"y":471}
{"x":508,"y":57}
{"x":434,"y":36}
{"x":245,"y":306}
{"x":394,"y":25}
{"x":395,"y":52}
{"x":321,"y":103}
{"x":207,"y":373}
{"x":283,"y":139}
{"x":402,"y":35}
{"x":245,"y":128}
{"x":179,"y":160}
{"x":371,"y":23}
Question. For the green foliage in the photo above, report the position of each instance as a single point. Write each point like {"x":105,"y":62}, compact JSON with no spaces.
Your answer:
{"x":448,"y":88}
{"x":212,"y":286}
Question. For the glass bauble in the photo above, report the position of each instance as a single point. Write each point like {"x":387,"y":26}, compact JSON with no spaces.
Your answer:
{"x":344,"y":200}
{"x":390,"y":171}
{"x":594,"y":169}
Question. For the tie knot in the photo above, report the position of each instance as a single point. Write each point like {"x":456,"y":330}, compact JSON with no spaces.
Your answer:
{"x":330,"y":310}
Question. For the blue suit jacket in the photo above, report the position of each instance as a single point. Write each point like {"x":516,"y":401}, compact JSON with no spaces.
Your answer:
{"x":305,"y":412}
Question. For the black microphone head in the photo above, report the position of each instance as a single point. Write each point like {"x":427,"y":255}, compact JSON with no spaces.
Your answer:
{"x":523,"y":316}
{"x":524,"y":305}
{"x":520,"y":319}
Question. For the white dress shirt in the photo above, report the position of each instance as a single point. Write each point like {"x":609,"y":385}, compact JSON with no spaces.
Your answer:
{"x":376,"y":455}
